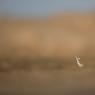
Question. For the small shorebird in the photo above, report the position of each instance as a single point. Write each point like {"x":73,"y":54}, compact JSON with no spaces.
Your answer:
{"x":78,"y":62}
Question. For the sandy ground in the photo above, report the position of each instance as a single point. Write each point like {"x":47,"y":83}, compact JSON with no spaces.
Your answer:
{"x":60,"y":78}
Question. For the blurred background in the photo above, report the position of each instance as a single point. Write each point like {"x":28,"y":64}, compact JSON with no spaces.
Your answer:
{"x":39,"y":40}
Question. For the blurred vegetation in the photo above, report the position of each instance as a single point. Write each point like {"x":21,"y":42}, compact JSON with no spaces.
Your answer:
{"x":60,"y":36}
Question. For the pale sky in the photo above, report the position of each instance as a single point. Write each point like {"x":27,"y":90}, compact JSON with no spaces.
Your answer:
{"x":43,"y":7}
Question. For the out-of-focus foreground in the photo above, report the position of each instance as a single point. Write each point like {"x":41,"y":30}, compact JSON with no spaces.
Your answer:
{"x":37,"y":56}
